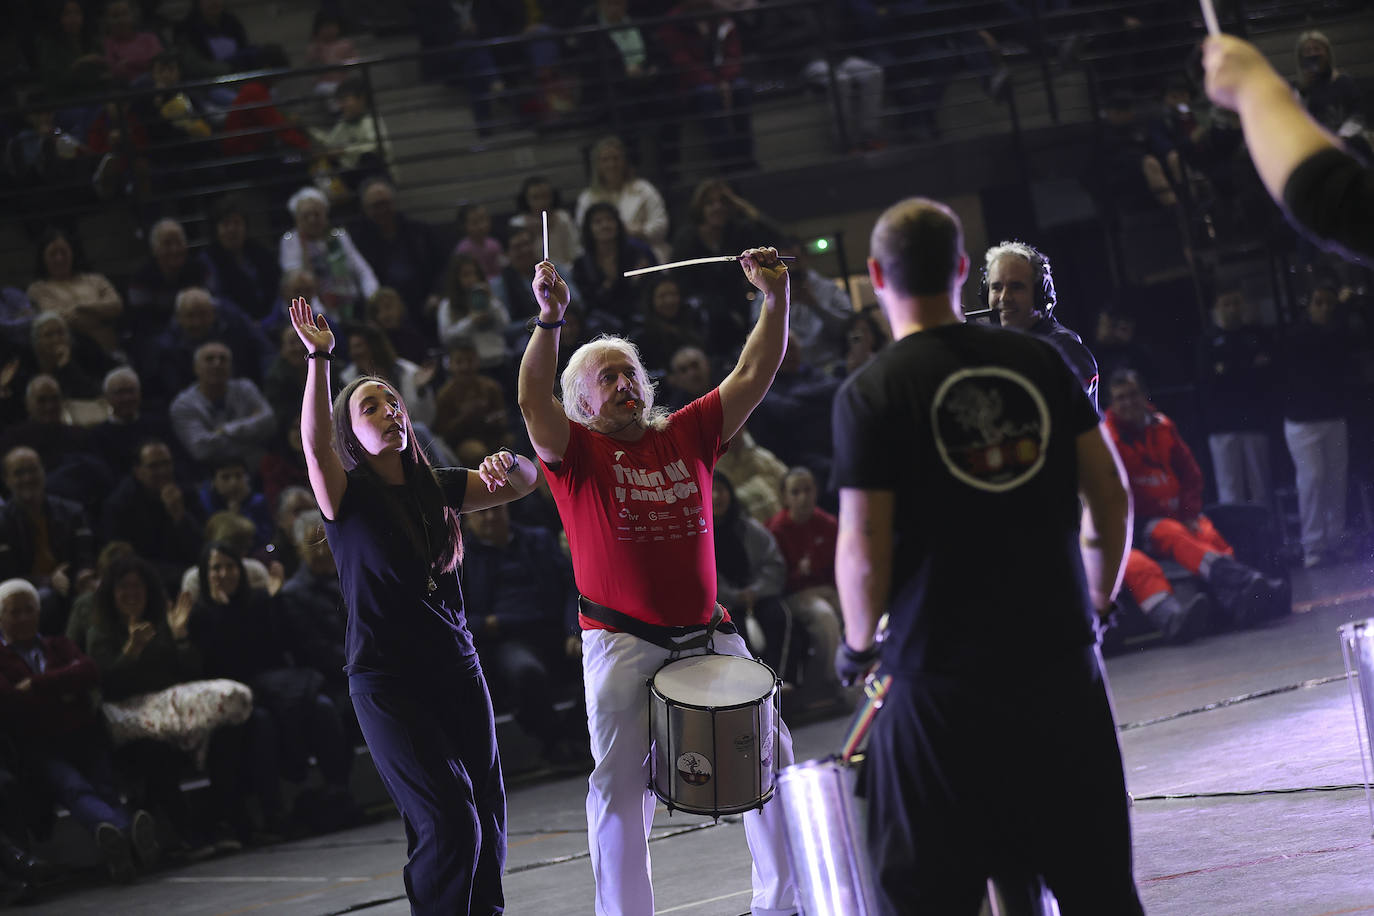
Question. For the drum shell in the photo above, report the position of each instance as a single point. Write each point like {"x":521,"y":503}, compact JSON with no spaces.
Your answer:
{"x":733,"y":747}
{"x":825,"y":841}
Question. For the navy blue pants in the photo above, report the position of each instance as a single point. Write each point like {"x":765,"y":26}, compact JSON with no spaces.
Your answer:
{"x":969,"y":777}
{"x":434,"y":745}
{"x":79,"y":771}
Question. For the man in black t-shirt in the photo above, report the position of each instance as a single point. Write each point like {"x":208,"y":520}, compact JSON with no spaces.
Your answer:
{"x":954,"y":435}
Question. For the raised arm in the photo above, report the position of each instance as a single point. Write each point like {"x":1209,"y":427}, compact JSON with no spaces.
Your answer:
{"x":1278,"y":132}
{"x":327,"y":476}
{"x":1106,"y":531}
{"x":545,"y":420}
{"x":745,"y":386}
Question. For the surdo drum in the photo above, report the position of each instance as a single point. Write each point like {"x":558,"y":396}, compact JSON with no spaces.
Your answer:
{"x":713,"y":725}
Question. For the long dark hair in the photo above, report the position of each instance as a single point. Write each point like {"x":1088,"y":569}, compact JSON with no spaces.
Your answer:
{"x":436,"y":515}
{"x":621,"y":236}
{"x":379,"y":348}
{"x":54,"y":233}
{"x":154,"y":605}
{"x":522,"y":204}
{"x":203,"y":566}
{"x":732,"y":562}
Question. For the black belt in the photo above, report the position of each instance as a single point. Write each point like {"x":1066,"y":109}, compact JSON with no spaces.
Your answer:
{"x":674,"y":639}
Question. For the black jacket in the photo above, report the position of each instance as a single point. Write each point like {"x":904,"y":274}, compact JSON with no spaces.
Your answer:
{"x":69,"y":535}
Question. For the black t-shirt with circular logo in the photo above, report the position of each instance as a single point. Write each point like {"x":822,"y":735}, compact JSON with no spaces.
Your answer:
{"x":974,"y":430}
{"x":396,"y":627}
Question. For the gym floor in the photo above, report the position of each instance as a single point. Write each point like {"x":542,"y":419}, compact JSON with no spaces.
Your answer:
{"x":1241,"y":753}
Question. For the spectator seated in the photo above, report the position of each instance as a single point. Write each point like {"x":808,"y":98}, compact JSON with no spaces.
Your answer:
{"x":1166,"y":485}
{"x":806,"y":536}
{"x":523,"y":584}
{"x":46,"y":685}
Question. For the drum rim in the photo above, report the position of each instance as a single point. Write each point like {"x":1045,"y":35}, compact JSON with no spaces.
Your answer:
{"x":715,"y":812}
{"x":747,"y":704}
{"x":772,"y":691}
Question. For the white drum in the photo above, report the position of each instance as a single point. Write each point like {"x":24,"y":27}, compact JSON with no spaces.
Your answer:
{"x":713,"y":724}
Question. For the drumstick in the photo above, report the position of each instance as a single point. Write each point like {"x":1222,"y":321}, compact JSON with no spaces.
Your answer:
{"x":721,"y":259}
{"x":545,"y":215}
{"x":1209,"y":16}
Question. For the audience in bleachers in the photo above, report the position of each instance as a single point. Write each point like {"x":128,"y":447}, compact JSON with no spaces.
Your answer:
{"x":1318,"y":377}
{"x":71,"y":60}
{"x":238,"y":268}
{"x":608,"y":251}
{"x":667,"y":323}
{"x":537,"y":196}
{"x":165,"y":416}
{"x":469,"y":310}
{"x":522,"y":584}
{"x":221,"y":413}
{"x":404,"y":253}
{"x":474,"y":224}
{"x":1238,"y":370}
{"x":370,"y":353}
{"x":150,"y":510}
{"x":640,"y":205}
{"x":87,"y":300}
{"x":356,"y":147}
{"x":806,"y":535}
{"x":1166,"y":488}
{"x":129,"y":51}
{"x":156,"y":284}
{"x":62,"y":743}
{"x":343,"y":279}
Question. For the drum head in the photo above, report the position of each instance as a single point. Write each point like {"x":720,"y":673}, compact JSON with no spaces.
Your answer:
{"x":714,"y":681}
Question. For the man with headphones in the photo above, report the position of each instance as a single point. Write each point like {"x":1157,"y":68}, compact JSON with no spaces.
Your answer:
{"x":1019,"y":290}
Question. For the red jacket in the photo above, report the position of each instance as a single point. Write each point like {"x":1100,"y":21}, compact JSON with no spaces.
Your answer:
{"x":252,"y":109}
{"x":702,"y":60}
{"x":59,"y":700}
{"x":1164,"y":477}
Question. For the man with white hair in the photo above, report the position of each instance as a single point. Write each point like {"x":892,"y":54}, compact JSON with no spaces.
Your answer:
{"x":118,"y":437}
{"x":1019,"y":289}
{"x":633,"y":487}
{"x":154,"y":286}
{"x":62,"y":744}
{"x":197,"y":318}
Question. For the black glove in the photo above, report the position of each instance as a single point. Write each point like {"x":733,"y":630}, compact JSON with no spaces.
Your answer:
{"x":853,"y":666}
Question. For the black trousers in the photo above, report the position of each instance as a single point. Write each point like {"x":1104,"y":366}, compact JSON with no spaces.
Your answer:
{"x":434,"y":745}
{"x":980,"y":775}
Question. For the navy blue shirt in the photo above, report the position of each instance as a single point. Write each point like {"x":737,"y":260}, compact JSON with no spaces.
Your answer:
{"x":396,"y":628}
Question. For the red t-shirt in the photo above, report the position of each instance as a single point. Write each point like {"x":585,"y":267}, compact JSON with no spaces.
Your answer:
{"x":808,"y":547}
{"x":638,"y":516}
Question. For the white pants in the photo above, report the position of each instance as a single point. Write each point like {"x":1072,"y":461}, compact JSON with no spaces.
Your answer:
{"x":859,"y":84}
{"x":1321,"y":455}
{"x":1242,"y":466}
{"x":620,"y":807}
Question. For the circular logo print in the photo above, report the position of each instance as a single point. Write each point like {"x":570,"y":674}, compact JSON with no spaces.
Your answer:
{"x":694,"y":769}
{"x":991,"y":427}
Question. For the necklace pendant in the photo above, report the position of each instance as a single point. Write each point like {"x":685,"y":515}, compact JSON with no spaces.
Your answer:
{"x":430,"y":586}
